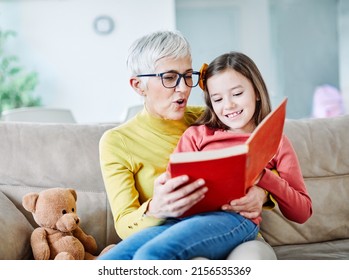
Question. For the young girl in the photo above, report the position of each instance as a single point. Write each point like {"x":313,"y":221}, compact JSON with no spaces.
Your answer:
{"x":237,"y":101}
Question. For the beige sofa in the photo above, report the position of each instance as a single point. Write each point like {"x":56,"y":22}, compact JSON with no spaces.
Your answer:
{"x":36,"y":156}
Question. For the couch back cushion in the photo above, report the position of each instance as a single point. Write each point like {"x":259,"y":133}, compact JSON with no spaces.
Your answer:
{"x":322,"y":146}
{"x":37,"y":156}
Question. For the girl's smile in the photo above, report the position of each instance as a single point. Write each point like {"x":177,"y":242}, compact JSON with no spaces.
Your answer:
{"x":233,"y":99}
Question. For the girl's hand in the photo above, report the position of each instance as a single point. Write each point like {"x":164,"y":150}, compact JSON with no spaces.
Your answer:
{"x":250,"y":206}
{"x":174,"y":196}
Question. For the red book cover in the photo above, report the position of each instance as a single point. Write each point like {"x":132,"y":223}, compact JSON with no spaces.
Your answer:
{"x":229,"y":172}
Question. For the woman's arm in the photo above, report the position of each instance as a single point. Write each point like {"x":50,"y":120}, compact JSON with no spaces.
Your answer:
{"x":167,"y":197}
{"x":118,"y":175}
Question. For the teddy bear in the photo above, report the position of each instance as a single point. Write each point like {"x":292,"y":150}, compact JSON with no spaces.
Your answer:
{"x":59,"y":236}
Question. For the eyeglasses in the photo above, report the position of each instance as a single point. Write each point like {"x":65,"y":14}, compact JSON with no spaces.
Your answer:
{"x":171,"y":79}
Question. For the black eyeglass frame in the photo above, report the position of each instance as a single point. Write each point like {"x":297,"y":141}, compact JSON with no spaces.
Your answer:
{"x":180,"y":76}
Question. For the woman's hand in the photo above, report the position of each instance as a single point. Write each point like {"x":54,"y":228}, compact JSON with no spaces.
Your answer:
{"x":174,"y":196}
{"x":250,"y":206}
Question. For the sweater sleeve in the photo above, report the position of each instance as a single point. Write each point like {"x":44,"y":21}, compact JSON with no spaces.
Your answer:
{"x":118,"y":174}
{"x":287,"y":188}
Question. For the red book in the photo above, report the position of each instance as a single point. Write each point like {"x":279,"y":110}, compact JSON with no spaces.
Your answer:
{"x":229,"y":172}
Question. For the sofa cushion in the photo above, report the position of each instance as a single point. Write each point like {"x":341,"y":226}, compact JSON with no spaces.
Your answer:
{"x":321,"y":145}
{"x":328,"y":222}
{"x":15,"y":232}
{"x":322,"y":149}
{"x":51,"y":155}
{"x":330,"y":250}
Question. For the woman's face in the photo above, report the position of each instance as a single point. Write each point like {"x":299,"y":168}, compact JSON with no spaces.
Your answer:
{"x":233,"y":99}
{"x":168,"y":103}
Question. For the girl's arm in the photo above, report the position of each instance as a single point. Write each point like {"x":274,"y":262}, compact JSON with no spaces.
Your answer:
{"x":287,"y":187}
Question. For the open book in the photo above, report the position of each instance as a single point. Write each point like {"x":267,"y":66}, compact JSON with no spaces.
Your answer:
{"x":229,"y":172}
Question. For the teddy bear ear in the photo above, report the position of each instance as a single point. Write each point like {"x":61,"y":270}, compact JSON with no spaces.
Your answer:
{"x":29,"y":201}
{"x":73,"y":192}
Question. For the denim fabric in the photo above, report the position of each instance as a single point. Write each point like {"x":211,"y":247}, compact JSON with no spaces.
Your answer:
{"x":211,"y":235}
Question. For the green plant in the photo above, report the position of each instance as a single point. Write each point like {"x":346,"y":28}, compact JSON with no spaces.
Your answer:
{"x":16,"y":84}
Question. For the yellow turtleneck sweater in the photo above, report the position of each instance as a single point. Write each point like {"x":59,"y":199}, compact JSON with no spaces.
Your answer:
{"x":132,"y":155}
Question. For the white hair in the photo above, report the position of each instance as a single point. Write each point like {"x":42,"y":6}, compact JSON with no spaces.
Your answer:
{"x":145,"y":52}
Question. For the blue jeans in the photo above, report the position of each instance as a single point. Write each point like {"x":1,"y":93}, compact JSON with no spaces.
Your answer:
{"x":211,"y":235}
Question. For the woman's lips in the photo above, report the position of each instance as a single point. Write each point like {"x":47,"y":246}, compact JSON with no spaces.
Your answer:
{"x":181,"y":102}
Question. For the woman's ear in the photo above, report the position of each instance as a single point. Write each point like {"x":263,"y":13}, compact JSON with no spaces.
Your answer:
{"x":137,"y":85}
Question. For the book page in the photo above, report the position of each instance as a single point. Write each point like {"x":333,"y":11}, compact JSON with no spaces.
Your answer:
{"x":209,"y":154}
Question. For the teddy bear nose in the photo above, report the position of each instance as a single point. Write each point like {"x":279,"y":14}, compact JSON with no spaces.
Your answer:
{"x":77,"y":221}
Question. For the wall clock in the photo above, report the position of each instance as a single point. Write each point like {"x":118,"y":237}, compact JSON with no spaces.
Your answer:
{"x":103,"y":25}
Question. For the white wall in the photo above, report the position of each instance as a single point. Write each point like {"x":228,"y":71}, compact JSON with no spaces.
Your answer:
{"x":229,"y":25}
{"x":86,"y":72}
{"x":78,"y":68}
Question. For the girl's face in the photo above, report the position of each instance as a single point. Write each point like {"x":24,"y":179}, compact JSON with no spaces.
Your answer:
{"x":233,"y":99}
{"x":168,"y":103}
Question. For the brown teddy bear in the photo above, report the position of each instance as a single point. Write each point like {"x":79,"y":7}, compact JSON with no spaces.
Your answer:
{"x":59,"y":236}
